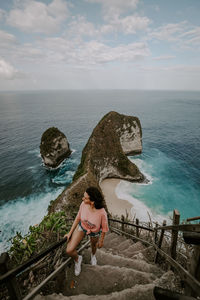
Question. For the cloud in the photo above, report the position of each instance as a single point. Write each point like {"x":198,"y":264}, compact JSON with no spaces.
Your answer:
{"x":120,"y":16}
{"x":114,"y":8}
{"x":127,"y":25}
{"x":192,"y":37}
{"x":80,"y":27}
{"x":14,"y":51}
{"x":183,"y":34}
{"x":7,"y":39}
{"x":34,"y":16}
{"x":2,"y":14}
{"x":80,"y":53}
{"x":180,"y":69}
{"x":7,"y":71}
{"x":99,"y":53}
{"x":164,"y":57}
{"x":169,"y":32}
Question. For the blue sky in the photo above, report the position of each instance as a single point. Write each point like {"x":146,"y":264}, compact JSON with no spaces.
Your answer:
{"x":99,"y":44}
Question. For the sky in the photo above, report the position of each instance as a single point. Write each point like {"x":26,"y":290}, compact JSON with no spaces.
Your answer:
{"x":99,"y":44}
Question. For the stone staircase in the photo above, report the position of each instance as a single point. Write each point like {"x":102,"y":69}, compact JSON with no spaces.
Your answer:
{"x":125,"y":270}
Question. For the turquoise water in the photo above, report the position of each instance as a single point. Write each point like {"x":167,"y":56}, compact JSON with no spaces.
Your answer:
{"x":170,"y":185}
{"x":170,"y":158}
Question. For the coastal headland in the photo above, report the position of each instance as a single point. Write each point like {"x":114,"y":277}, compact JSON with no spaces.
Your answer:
{"x":104,"y":157}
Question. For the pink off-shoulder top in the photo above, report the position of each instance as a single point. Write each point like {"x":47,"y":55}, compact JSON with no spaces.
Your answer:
{"x":93,"y":221}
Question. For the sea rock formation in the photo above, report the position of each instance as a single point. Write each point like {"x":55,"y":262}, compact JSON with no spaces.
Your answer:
{"x":54,"y":147}
{"x":104,"y":156}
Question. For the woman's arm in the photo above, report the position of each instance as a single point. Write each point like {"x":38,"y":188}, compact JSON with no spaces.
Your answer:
{"x":104,"y":226}
{"x":100,"y":244}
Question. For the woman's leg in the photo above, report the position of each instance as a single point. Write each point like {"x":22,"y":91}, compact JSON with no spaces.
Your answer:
{"x":76,"y":237}
{"x":94,"y":242}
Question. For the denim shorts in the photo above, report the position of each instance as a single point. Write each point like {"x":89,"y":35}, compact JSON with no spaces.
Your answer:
{"x":92,"y":234}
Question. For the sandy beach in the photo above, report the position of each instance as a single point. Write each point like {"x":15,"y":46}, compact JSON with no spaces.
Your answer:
{"x":115,"y":205}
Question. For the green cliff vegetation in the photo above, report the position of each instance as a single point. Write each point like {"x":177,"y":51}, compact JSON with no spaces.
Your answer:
{"x":52,"y":228}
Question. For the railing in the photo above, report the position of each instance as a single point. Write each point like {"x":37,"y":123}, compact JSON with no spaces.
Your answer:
{"x":193,"y":219}
{"x":52,"y":275}
{"x":9,"y":277}
{"x":190,"y":236}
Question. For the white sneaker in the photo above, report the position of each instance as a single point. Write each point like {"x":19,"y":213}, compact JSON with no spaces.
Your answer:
{"x":93,"y":260}
{"x":77,"y":269}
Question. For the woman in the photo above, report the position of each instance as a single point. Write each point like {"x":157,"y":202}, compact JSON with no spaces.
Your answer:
{"x":91,"y":220}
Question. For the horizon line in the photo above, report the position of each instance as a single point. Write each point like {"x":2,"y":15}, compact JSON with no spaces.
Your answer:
{"x":91,"y":89}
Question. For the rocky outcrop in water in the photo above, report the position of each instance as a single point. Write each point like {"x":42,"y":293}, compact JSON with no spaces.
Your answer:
{"x":104,"y":156}
{"x":54,"y":147}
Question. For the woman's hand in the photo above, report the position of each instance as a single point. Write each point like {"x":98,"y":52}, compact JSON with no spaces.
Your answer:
{"x":68,"y":236}
{"x":100,"y":244}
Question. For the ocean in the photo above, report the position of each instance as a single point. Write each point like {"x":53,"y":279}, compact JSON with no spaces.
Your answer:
{"x":170,"y":159}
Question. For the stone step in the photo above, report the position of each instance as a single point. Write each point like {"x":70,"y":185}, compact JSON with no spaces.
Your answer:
{"x":103,"y":279}
{"x":135,"y":251}
{"x":113,"y":240}
{"x":148,"y":254}
{"x":116,"y":245}
{"x":170,"y":281}
{"x":121,"y":274}
{"x":138,"y":292}
{"x":131,"y":250}
{"x":127,"y":249}
{"x":104,"y":258}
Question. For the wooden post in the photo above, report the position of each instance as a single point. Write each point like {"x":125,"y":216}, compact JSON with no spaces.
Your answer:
{"x":148,"y":232}
{"x":160,"y":242}
{"x":156,"y":234}
{"x":122,"y":219}
{"x":11,"y":283}
{"x":194,"y":269}
{"x":137,"y":229}
{"x":176,"y":220}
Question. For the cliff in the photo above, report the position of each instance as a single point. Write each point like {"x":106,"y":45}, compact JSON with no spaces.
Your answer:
{"x":104,"y":156}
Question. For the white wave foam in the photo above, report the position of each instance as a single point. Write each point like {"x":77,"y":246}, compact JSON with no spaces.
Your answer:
{"x":139,"y":209}
{"x":35,"y":151}
{"x":65,"y":161}
{"x":53,"y":169}
{"x":144,"y":168}
{"x":33,"y":169}
{"x":62,"y":179}
{"x":19,"y":214}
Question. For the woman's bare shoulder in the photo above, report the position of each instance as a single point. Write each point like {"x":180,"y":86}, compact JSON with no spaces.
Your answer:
{"x":103,"y":211}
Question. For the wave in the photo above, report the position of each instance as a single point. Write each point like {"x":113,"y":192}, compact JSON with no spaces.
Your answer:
{"x":35,"y":151}
{"x":140,"y":210}
{"x":64,"y":178}
{"x":143,"y":167}
{"x":63,"y":163}
{"x":19,"y":214}
{"x":146,"y":198}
